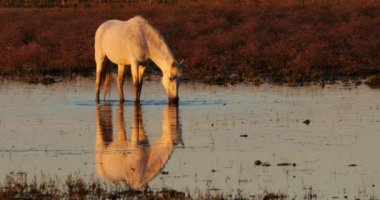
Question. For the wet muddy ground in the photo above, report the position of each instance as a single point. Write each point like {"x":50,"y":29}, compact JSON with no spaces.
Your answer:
{"x":229,"y":139}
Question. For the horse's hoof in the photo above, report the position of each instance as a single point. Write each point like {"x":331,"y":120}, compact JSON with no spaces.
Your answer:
{"x":174,"y":101}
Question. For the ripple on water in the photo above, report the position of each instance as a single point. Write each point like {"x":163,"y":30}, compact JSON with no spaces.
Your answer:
{"x":149,"y":102}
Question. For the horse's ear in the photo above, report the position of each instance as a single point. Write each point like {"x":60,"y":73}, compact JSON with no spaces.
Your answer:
{"x":174,"y":72}
{"x":179,"y":64}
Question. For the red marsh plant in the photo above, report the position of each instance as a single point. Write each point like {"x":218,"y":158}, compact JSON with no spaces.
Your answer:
{"x":220,"y":41}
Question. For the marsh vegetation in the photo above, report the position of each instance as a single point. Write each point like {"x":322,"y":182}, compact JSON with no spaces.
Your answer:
{"x":220,"y":41}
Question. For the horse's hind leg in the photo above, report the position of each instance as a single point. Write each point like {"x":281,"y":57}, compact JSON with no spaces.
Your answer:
{"x":99,"y":67}
{"x":120,"y":81}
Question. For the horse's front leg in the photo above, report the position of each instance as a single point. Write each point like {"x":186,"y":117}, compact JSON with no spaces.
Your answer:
{"x":120,"y":81}
{"x":141,"y":76}
{"x":135,"y":80}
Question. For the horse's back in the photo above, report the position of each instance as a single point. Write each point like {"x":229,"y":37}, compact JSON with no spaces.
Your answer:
{"x":121,"y":41}
{"x":105,"y":37}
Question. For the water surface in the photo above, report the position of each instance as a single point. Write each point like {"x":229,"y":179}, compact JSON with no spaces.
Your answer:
{"x":209,"y":142}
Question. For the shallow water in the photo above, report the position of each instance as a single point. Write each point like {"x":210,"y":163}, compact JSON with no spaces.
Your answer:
{"x":210,"y":142}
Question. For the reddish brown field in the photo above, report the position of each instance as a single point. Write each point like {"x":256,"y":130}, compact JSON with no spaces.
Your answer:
{"x":220,"y":42}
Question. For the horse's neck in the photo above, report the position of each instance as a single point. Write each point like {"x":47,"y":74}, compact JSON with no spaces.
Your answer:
{"x":160,"y":54}
{"x":160,"y":58}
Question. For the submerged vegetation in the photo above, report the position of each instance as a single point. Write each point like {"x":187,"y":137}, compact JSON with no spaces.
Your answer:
{"x":220,"y":41}
{"x":373,"y":81}
{"x":18,"y":186}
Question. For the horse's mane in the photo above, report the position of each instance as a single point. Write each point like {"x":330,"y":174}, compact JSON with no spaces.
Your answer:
{"x":154,"y":36}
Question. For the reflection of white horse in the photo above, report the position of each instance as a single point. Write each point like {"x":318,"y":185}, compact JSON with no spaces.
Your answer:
{"x":133,"y":161}
{"x":133,"y":42}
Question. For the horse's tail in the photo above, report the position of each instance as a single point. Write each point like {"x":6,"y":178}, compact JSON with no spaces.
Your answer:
{"x":106,"y":78}
{"x":106,"y":67}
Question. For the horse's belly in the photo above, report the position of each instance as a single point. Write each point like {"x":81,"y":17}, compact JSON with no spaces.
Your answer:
{"x":119,"y":60}
{"x":115,"y":49}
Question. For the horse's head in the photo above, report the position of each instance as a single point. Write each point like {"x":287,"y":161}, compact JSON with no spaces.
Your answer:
{"x":171,"y":80}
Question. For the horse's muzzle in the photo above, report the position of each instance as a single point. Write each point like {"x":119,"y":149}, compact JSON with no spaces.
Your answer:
{"x":173,"y":101}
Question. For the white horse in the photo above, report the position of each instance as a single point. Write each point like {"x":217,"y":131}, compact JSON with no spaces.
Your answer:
{"x":133,"y":42}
